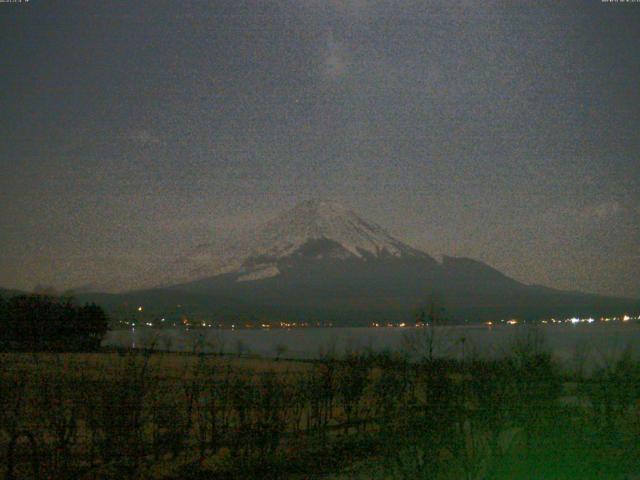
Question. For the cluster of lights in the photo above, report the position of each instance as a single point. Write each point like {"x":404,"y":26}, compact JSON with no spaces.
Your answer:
{"x":185,"y":322}
{"x":398,"y":325}
{"x":573,"y":320}
{"x":289,"y":325}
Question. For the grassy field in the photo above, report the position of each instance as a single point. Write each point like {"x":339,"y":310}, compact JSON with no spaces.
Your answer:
{"x":171,"y":416}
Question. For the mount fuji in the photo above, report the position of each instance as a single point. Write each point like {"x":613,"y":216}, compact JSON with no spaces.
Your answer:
{"x":313,"y":230}
{"x":321,"y":261}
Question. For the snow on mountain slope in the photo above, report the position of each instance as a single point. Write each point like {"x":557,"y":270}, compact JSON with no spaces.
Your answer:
{"x":323,"y":229}
{"x":255,"y":257}
{"x":312,"y":220}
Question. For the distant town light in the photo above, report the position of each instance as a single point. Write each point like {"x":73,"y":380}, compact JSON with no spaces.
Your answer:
{"x":139,"y":309}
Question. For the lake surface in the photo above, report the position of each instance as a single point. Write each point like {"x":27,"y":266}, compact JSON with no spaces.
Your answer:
{"x":573,"y":344}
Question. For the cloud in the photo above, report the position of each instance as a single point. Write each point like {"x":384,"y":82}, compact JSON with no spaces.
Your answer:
{"x":339,"y":6}
{"x":350,"y":5}
{"x":144,"y":137}
{"x":602,"y":211}
{"x":585,"y":215}
{"x":335,"y":63}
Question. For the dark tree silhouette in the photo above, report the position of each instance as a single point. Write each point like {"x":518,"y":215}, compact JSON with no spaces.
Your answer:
{"x":91,"y":323}
{"x":3,"y":321}
{"x":42,"y":322}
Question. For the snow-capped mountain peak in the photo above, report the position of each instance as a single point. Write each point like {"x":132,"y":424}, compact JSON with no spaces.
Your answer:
{"x":314,"y":229}
{"x":315,"y":220}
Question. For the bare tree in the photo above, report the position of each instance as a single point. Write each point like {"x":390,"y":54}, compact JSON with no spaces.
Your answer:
{"x":423,"y":341}
{"x":241,"y":348}
{"x":280,"y":350}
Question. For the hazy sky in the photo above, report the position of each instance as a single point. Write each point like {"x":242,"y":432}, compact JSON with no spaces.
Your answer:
{"x":134,"y":130}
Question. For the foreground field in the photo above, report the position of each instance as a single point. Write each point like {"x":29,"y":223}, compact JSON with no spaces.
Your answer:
{"x":171,"y":416}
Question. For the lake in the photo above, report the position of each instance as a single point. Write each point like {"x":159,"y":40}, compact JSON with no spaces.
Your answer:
{"x":593,"y":344}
